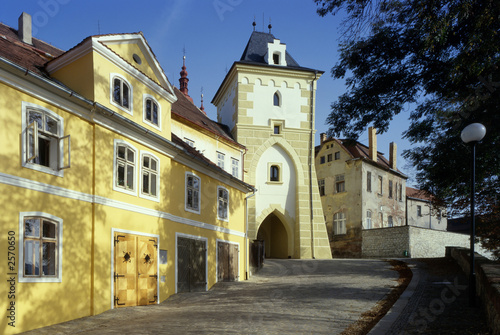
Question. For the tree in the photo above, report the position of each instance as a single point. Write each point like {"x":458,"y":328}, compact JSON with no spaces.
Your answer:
{"x":441,"y":58}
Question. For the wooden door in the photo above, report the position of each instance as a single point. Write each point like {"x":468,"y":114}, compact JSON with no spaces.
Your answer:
{"x":135,"y":276}
{"x":227,"y":261}
{"x":191,"y":265}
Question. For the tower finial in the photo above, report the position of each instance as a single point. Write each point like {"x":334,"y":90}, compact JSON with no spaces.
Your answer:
{"x":269,"y":26}
{"x":202,"y":108}
{"x":253,"y":23}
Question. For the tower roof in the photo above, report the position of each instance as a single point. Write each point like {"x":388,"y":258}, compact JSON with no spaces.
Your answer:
{"x":256,"y":49}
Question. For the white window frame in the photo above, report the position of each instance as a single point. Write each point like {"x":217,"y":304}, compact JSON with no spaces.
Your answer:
{"x":339,"y":223}
{"x":141,"y":162}
{"x":321,"y":187}
{"x":146,"y":97}
{"x":219,"y":188}
{"x":192,"y":210}
{"x":221,"y":160}
{"x":369,"y":222}
{"x":129,"y":110}
{"x":118,"y":142}
{"x":59,"y":249}
{"x":235,"y":167}
{"x":63,"y":157}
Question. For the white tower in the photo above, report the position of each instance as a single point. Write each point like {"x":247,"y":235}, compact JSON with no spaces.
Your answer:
{"x":267,"y":100}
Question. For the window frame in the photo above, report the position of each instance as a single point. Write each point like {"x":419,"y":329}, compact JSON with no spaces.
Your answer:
{"x":130,"y":109}
{"x":340,"y":180}
{"x":55,"y":168}
{"x":337,"y":155}
{"x":278,"y":166}
{"x":322,"y":160}
{"x":186,"y":193}
{"x":141,"y":173}
{"x":277,"y":96}
{"x":145,"y":98}
{"x":369,"y":222}
{"x":221,"y":160}
{"x":235,"y":168}
{"x":368,"y":181}
{"x":419,"y":211}
{"x":59,"y":248}
{"x":339,"y":222}
{"x":321,"y":187}
{"x":329,"y":157}
{"x":390,"y":189}
{"x":390,"y":221}
{"x":117,"y":143}
{"x":381,"y":185}
{"x":223,"y":189}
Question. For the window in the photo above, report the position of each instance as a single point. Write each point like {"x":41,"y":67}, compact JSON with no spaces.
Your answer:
{"x":322,"y":160}
{"x":41,"y":251}
{"x":274,"y":173}
{"x":337,"y":155}
{"x":419,"y":210}
{"x":222,"y":207}
{"x":439,"y":214}
{"x":390,"y":223}
{"x":329,"y":157}
{"x":390,"y":188}
{"x":276,"y":99}
{"x":150,"y":176}
{"x":45,"y":148}
{"x":368,"y":181}
{"x":189,"y":142}
{"x":220,"y":160}
{"x":339,"y":223}
{"x":339,"y":184}
{"x":396,"y":192}
{"x":321,"y":185}
{"x":380,"y":183}
{"x":125,"y":167}
{"x":368,"y":219}
{"x":381,"y":219}
{"x":277,"y":130}
{"x":400,"y":192}
{"x":192,"y":193}
{"x":151,"y":111}
{"x":276,"y":58}
{"x":235,"y":167}
{"x":121,"y":93}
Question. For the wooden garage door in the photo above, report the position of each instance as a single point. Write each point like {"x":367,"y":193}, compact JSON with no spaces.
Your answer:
{"x":191,"y":265}
{"x":227,"y":261}
{"x":135,"y":272}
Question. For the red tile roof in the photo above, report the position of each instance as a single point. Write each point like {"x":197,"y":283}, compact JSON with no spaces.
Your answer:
{"x":419,"y":194}
{"x":32,"y":57}
{"x":186,"y":111}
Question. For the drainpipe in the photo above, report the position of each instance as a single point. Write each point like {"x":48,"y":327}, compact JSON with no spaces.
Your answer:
{"x":311,"y":140}
{"x":246,"y":233}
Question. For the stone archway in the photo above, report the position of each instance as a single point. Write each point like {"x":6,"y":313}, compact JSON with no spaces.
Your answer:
{"x":273,"y":232}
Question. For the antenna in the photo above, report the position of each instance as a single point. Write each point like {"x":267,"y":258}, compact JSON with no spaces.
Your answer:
{"x":263,"y":21}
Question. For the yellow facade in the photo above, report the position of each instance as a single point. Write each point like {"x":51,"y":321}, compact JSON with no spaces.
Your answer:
{"x":74,"y":219}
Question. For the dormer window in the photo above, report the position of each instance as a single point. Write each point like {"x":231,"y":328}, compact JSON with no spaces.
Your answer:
{"x":276,"y":58}
{"x":152,"y":111}
{"x":121,"y":93}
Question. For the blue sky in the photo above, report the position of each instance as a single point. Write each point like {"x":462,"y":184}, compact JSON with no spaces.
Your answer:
{"x":213,"y":33}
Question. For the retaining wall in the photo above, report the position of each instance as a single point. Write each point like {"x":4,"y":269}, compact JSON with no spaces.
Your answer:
{"x":414,"y":242}
{"x":487,"y":283}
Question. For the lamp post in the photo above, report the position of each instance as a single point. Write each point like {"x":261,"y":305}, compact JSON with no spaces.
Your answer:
{"x":472,"y":134}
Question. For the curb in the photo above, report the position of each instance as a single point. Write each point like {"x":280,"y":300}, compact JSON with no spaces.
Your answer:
{"x":383,"y":326}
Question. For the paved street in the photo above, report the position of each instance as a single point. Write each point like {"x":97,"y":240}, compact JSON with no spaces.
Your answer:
{"x":286,"y":297}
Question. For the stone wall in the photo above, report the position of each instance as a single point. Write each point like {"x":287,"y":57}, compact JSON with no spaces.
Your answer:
{"x":487,"y":283}
{"x":414,"y":242}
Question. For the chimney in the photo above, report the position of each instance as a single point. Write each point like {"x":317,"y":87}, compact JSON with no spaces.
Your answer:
{"x":322,"y":137}
{"x":392,"y":155}
{"x":24,"y":30}
{"x":372,"y":143}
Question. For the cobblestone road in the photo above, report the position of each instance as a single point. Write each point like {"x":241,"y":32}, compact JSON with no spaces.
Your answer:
{"x":286,"y":297}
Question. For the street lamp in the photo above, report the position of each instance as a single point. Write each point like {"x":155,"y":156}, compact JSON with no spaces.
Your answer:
{"x":472,"y":134}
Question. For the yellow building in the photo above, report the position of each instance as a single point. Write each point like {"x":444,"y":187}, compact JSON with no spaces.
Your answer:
{"x":103,"y":206}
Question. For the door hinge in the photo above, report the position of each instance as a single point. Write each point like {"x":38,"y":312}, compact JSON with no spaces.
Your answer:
{"x":117,"y":275}
{"x":155,"y":245}
{"x":117,"y":238}
{"x":156,"y":298}
{"x":116,"y":301}
{"x":155,"y":276}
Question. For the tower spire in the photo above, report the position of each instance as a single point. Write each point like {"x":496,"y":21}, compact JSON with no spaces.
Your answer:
{"x":202,"y":108}
{"x":183,"y":80}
